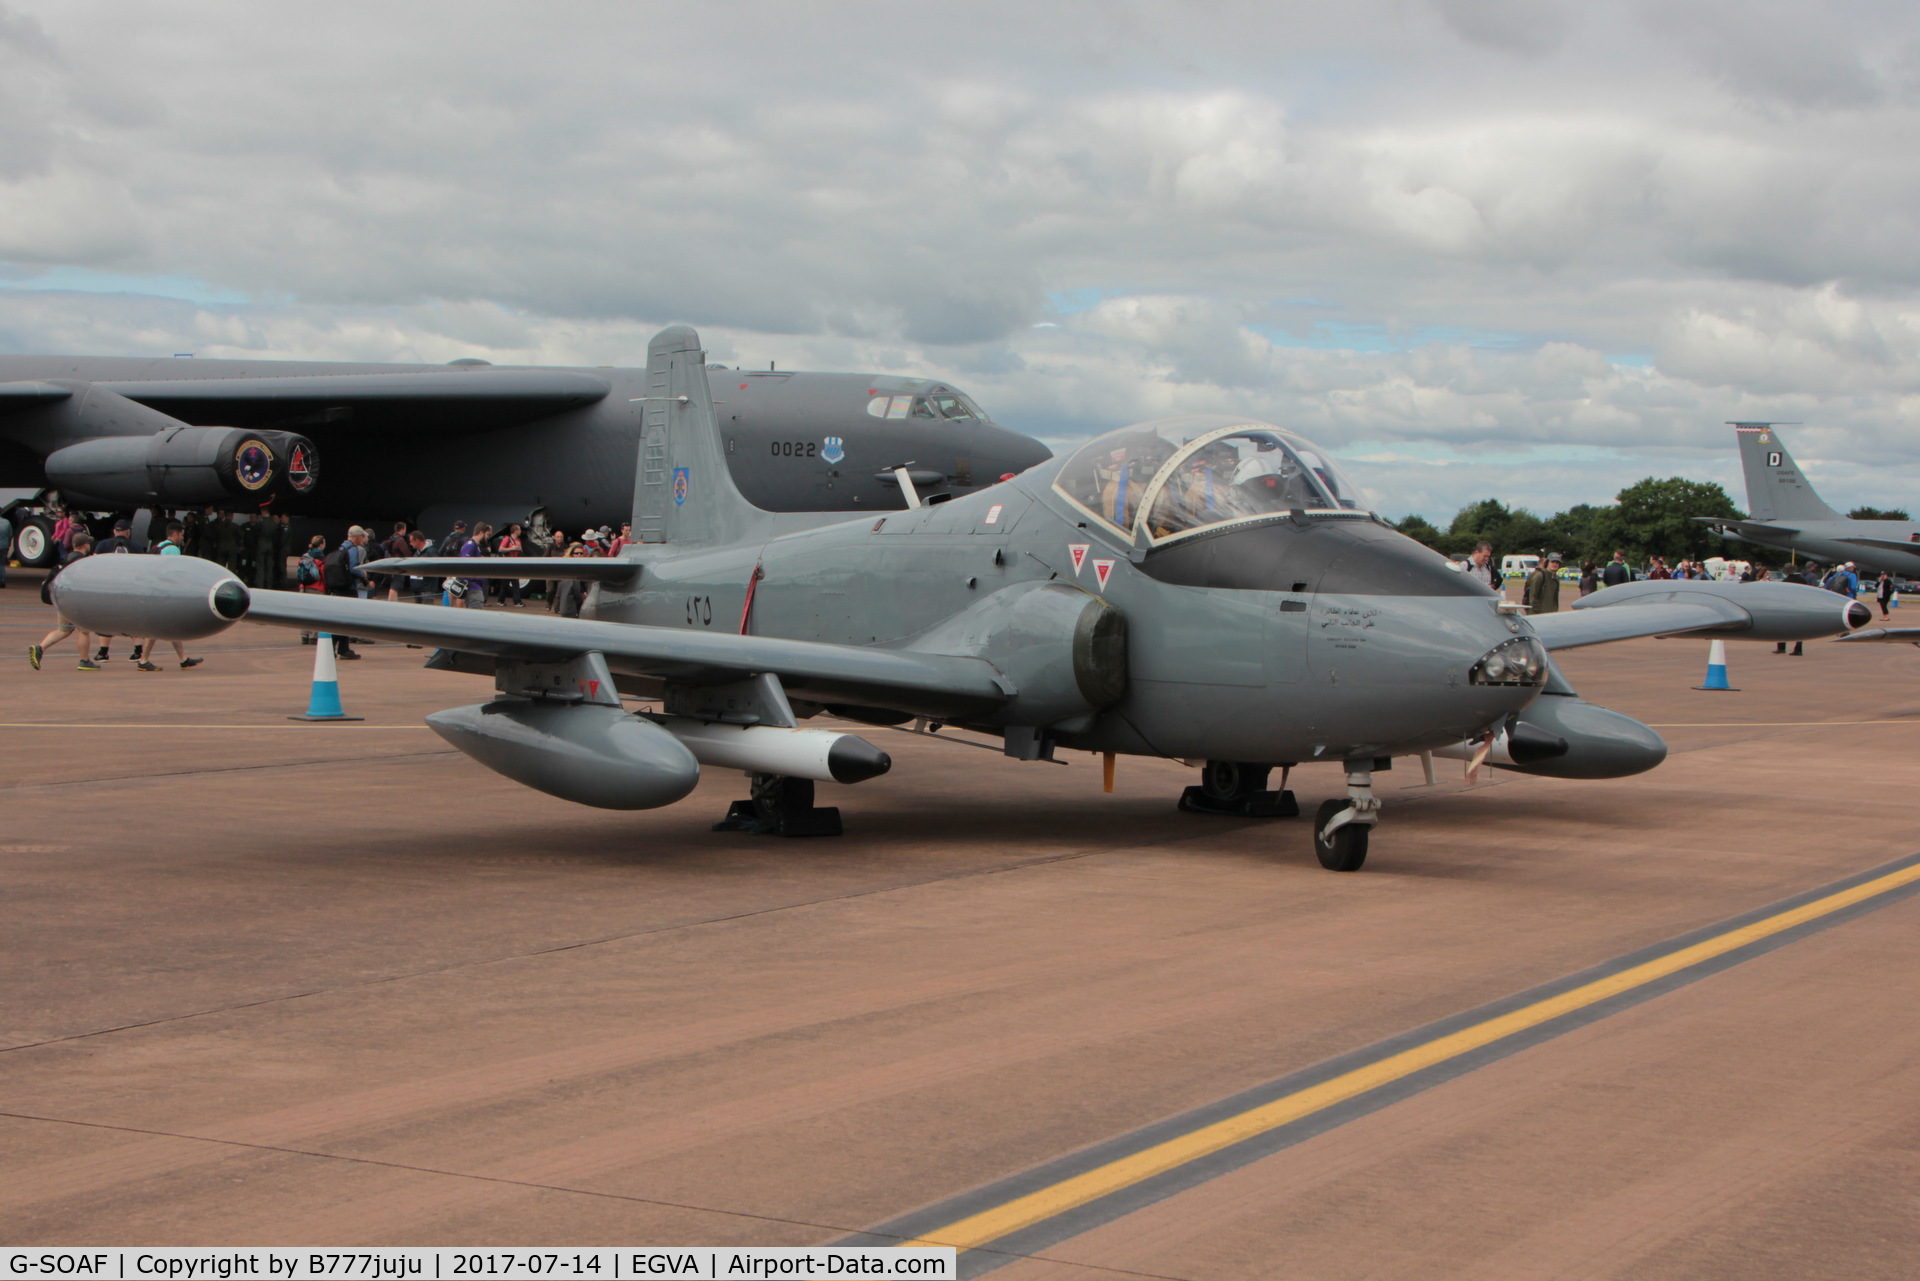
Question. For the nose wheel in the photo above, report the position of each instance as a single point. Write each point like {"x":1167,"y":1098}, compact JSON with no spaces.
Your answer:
{"x":1341,"y":828}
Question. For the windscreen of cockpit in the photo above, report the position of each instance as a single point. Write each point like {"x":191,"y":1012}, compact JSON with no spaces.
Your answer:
{"x":1217,"y":474}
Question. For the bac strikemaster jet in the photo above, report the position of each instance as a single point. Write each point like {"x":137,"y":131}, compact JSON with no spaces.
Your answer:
{"x":1788,"y":515}
{"x":1201,"y":588}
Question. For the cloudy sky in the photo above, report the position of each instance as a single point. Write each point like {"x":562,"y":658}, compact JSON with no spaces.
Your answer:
{"x":1515,"y":248}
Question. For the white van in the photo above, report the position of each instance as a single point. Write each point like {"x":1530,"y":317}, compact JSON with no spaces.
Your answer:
{"x":1518,"y":566}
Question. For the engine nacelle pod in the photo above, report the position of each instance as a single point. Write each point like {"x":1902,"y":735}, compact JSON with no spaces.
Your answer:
{"x":165,"y":597}
{"x":187,"y":467}
{"x":580,"y":752}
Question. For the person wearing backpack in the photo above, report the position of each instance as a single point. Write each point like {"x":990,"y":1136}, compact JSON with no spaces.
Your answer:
{"x":341,"y":575}
{"x":306,"y":576}
{"x":82,"y":548}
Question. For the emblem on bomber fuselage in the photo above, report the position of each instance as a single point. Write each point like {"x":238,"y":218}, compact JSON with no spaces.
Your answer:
{"x":830,"y":449}
{"x":679,"y":486}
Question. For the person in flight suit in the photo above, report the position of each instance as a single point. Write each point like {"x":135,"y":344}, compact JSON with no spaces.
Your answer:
{"x":223,"y":538}
{"x":249,"y":548}
{"x":270,"y":554}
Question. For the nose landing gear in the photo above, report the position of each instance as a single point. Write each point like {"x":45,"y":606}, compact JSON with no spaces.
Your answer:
{"x":1341,"y":828}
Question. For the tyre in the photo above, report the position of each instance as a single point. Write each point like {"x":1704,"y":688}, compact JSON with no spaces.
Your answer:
{"x":1346,"y":849}
{"x":776,"y":797}
{"x":33,"y":542}
{"x":1231,"y":782}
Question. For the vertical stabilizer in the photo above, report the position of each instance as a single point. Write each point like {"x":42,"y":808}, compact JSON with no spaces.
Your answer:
{"x":1775,"y":488}
{"x":683,"y":492}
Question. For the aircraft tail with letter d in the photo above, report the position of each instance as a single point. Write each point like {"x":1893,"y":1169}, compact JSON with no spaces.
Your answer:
{"x":1776,"y":489}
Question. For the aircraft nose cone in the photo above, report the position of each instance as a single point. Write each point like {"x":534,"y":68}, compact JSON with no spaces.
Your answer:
{"x":1858,"y":615}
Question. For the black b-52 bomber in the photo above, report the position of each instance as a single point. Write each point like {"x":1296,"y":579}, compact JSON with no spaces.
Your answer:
{"x":436,"y":443}
{"x":1200,"y":588}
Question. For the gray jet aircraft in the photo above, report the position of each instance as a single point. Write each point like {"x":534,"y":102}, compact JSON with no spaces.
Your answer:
{"x":1787,"y":515}
{"x":1203,"y":588}
{"x":435,"y":443}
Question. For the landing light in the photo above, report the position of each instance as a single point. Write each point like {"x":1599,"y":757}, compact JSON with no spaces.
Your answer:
{"x":1520,"y":661}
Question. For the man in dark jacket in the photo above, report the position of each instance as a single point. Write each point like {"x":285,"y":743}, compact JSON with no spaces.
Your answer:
{"x":122,"y":540}
{"x":1616,"y":571}
{"x":1542,"y":592}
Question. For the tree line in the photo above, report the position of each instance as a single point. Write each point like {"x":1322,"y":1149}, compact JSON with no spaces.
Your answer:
{"x":1648,"y":518}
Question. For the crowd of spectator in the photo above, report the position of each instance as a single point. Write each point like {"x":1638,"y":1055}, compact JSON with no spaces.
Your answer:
{"x":260,"y":551}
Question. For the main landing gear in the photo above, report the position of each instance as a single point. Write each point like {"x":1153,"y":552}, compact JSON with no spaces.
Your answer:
{"x":1341,"y":828}
{"x":781,"y":806}
{"x":1238,"y":788}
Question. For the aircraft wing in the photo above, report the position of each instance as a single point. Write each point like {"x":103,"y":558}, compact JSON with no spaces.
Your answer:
{"x":1884,"y":544}
{"x":183,"y":598}
{"x":1596,"y":627}
{"x":465,"y":398}
{"x":28,"y":395}
{"x":1727,"y":524}
{"x":932,"y":684}
{"x":1889,"y":635}
{"x":583,"y":569}
{"x":1674,"y":607}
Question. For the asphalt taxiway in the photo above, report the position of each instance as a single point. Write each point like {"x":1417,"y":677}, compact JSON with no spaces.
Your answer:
{"x":284,"y":983}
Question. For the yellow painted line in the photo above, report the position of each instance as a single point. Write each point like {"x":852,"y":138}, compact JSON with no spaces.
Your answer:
{"x":302,"y":725}
{"x":1068,"y":1194}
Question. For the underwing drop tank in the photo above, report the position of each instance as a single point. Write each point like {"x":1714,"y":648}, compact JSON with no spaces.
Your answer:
{"x":586,"y":753}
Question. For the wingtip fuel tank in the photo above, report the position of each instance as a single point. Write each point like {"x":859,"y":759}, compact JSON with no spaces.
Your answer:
{"x":166,"y":597}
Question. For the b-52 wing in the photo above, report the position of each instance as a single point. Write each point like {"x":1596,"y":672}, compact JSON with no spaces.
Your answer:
{"x":472,"y":398}
{"x":1746,"y":611}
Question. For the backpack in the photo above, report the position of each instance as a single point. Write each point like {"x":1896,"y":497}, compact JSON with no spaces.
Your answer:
{"x":337,"y":573}
{"x":307,"y":573}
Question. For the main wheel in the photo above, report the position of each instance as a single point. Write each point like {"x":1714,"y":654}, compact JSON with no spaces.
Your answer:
{"x":776,"y":796}
{"x":1230,"y":782}
{"x":33,"y":543}
{"x":1345,"y":849}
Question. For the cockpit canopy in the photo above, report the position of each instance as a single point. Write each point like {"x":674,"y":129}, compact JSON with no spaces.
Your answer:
{"x":1176,"y":476}
{"x":922,"y":401}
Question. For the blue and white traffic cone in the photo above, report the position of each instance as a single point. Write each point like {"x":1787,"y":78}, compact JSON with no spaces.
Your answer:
{"x":324,"y":703}
{"x":1717,"y":668}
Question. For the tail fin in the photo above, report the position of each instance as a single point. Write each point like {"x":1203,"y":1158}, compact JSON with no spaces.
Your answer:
{"x":1775,"y":488}
{"x":683,"y":492}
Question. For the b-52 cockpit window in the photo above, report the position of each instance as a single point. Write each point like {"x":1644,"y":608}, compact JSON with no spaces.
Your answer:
{"x":1190,"y":473}
{"x":900,"y":407}
{"x":955,"y":405}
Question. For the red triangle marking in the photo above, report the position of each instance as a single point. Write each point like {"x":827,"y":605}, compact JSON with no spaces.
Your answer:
{"x":1102,"y":568}
{"x":1079,"y":553}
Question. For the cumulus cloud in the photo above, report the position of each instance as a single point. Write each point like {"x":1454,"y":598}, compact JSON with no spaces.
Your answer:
{"x":1548,"y":244}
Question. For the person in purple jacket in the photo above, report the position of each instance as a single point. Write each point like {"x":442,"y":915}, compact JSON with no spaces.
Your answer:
{"x":477,"y":546}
